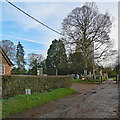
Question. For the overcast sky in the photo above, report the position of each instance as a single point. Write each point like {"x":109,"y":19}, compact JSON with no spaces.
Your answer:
{"x":34,"y":37}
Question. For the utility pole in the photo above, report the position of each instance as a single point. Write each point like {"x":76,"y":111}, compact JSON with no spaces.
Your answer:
{"x":118,"y":69}
{"x":118,"y":41}
{"x":93,"y":63}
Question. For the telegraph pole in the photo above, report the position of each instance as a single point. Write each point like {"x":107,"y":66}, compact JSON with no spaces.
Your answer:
{"x":117,"y":77}
{"x":93,"y":63}
{"x":118,"y":41}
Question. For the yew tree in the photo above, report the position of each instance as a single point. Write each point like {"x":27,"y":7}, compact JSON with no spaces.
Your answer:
{"x":56,"y":57}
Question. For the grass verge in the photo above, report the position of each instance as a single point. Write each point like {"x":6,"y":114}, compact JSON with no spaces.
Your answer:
{"x":97,"y":81}
{"x":103,"y":79}
{"x":20,"y":103}
{"x":85,"y":81}
{"x":114,"y":78}
{"x":80,"y":81}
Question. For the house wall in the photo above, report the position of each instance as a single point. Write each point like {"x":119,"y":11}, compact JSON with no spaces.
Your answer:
{"x":7,"y":67}
{"x":7,"y":70}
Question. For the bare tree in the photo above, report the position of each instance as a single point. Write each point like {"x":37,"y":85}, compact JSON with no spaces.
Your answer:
{"x":34,"y":59}
{"x":34,"y":62}
{"x":87,"y":30}
{"x":9,"y":48}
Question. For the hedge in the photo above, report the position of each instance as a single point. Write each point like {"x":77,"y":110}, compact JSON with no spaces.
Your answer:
{"x":15,"y":85}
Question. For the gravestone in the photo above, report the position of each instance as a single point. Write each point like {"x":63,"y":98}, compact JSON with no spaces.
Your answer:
{"x":40,"y":71}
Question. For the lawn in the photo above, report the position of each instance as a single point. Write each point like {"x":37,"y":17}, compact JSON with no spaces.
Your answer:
{"x":81,"y":81}
{"x":103,"y":79}
{"x":97,"y":81}
{"x":20,"y":103}
{"x":114,"y":78}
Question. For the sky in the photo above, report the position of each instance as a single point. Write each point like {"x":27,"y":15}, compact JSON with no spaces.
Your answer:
{"x":34,"y":37}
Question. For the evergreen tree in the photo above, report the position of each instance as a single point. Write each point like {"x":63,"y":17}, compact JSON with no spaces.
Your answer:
{"x":75,"y":63}
{"x":20,"y":61}
{"x":56,"y":57}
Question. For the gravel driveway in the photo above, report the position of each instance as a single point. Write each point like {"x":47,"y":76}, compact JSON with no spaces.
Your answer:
{"x":89,"y":101}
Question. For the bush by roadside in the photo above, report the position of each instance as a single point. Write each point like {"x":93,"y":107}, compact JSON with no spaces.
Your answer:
{"x":15,"y":85}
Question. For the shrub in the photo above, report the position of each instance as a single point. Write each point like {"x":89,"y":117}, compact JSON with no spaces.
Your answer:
{"x":15,"y":85}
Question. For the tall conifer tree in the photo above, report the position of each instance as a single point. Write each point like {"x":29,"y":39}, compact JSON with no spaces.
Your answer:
{"x":20,"y":61}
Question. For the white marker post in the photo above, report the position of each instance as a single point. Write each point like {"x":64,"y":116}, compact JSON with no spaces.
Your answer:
{"x":28,"y":92}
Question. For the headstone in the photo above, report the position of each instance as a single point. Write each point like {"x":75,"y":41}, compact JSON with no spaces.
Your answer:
{"x":39,"y":71}
{"x":78,"y":76}
{"x":90,"y":74}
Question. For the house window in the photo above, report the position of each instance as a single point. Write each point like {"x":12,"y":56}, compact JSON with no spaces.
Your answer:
{"x":2,"y":69}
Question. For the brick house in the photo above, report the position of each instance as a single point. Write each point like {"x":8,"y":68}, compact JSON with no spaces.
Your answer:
{"x":5,"y":63}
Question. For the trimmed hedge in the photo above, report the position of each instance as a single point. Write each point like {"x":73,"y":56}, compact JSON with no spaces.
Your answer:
{"x":15,"y":85}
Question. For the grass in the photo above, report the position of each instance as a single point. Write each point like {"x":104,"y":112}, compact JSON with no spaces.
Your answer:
{"x":20,"y":103}
{"x":85,"y":81}
{"x":97,"y":81}
{"x":80,"y":81}
{"x":114,"y":78}
{"x":103,"y":79}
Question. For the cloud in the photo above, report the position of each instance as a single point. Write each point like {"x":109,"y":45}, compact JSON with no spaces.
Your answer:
{"x":48,"y":13}
{"x":33,"y":50}
{"x":42,"y":52}
{"x":61,"y":0}
{"x":44,"y":43}
{"x":114,"y":33}
{"x":40,"y":11}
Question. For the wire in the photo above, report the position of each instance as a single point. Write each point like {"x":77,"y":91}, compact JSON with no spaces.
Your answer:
{"x":33,"y":18}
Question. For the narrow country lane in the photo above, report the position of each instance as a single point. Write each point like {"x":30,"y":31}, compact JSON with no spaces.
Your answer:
{"x":90,"y":101}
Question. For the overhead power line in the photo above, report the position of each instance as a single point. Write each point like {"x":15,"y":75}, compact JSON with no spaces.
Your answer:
{"x":33,"y":18}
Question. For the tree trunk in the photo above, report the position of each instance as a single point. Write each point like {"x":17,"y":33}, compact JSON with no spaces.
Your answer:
{"x":100,"y":75}
{"x":85,"y":70}
{"x":93,"y":73}
{"x":56,"y":71}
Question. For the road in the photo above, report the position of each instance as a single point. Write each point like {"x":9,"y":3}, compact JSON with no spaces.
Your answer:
{"x":89,"y":101}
